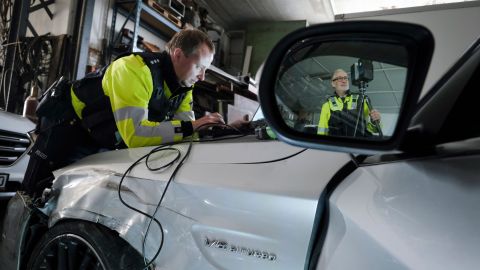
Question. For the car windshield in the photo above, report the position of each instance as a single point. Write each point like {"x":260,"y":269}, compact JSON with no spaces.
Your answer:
{"x":258,"y":115}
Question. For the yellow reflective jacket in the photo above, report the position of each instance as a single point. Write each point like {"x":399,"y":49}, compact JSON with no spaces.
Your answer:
{"x":128,"y":84}
{"x":339,"y":117}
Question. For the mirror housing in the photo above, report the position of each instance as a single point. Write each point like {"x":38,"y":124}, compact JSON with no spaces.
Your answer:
{"x":415,"y":40}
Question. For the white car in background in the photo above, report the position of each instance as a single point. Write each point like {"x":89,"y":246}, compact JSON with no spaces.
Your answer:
{"x":14,"y":145}
{"x":409,"y":199}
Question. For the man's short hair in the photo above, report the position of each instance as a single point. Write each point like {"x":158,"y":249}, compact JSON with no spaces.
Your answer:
{"x":338,"y":70}
{"x":188,"y":40}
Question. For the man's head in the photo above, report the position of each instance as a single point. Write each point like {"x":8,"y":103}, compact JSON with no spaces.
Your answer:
{"x":340,"y":82}
{"x":191,"y":51}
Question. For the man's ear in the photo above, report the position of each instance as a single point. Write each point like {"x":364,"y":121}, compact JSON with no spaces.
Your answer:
{"x":333,"y":84}
{"x":177,"y":53}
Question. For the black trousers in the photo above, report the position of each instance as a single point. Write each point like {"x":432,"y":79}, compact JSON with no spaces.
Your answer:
{"x":56,"y":146}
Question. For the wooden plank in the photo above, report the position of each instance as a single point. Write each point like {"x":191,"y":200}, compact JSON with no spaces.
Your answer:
{"x":165,"y":13}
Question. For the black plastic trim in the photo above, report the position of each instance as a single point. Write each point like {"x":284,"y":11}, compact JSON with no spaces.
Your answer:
{"x":443,"y":115}
{"x":449,"y":74}
{"x":320,"y":225}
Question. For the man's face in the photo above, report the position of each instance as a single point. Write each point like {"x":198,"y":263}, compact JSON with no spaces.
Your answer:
{"x":340,"y":83}
{"x":190,"y":69}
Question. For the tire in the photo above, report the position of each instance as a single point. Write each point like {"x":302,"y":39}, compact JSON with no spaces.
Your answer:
{"x":83,"y":245}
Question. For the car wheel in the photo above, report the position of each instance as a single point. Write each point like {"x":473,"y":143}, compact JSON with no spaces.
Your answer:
{"x":83,"y":245}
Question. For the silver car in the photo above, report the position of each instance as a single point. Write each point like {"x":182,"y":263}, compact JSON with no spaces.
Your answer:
{"x":14,"y":143}
{"x":404,"y":198}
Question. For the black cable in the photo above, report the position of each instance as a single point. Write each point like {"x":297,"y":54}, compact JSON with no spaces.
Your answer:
{"x":166,"y":165}
{"x":223,"y":138}
{"x":6,"y":9}
{"x":160,"y":202}
{"x":172,"y":177}
{"x":227,"y":137}
{"x":163,"y":147}
{"x":152,"y":217}
{"x":243,"y":135}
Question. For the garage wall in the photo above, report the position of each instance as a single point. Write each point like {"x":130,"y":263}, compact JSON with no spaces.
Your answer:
{"x":454,"y":26}
{"x":63,"y":16}
{"x":102,"y":19}
{"x":58,"y":25}
{"x":263,"y":36}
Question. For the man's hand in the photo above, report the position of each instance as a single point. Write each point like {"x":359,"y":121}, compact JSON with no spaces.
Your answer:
{"x":208,"y":120}
{"x":241,"y":123}
{"x":375,"y":115}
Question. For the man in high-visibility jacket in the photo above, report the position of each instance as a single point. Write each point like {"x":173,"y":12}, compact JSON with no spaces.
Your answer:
{"x":142,"y":118}
{"x":339,"y":114}
{"x":143,"y":99}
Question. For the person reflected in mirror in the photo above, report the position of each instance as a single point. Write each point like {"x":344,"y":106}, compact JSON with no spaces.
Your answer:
{"x":339,"y":115}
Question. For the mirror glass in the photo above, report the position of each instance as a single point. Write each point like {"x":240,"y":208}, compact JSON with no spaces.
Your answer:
{"x":321,"y":86}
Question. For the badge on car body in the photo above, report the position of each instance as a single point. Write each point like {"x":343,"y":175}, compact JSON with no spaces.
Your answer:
{"x":233,"y":248}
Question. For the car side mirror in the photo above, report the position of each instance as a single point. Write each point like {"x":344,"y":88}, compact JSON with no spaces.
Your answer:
{"x":346,"y":86}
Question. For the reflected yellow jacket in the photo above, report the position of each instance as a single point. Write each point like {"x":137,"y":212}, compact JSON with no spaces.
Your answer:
{"x":339,"y":117}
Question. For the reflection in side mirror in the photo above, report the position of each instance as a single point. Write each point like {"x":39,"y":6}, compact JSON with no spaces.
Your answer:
{"x":384,"y":61}
{"x":351,"y":89}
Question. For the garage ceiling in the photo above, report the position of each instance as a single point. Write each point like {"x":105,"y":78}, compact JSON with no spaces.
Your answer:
{"x":233,"y":14}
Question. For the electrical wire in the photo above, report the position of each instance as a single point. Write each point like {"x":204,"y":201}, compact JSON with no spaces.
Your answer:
{"x":172,"y":177}
{"x":163,"y":147}
{"x":31,"y":57}
{"x":222,"y":138}
{"x":33,"y":61}
{"x":160,"y":202}
{"x":6,"y":9}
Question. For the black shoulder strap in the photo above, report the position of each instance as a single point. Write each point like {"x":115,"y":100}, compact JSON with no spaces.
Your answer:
{"x":152,"y":60}
{"x":160,"y":107}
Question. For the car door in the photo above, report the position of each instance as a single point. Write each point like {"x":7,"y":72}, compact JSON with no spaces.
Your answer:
{"x":419,"y":210}
{"x":410,"y":204}
{"x":421,"y":213}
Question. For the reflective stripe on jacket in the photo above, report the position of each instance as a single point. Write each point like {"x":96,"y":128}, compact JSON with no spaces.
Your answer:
{"x":339,"y":117}
{"x":128,"y":84}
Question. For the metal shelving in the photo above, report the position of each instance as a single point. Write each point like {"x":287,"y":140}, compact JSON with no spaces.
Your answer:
{"x":142,"y":14}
